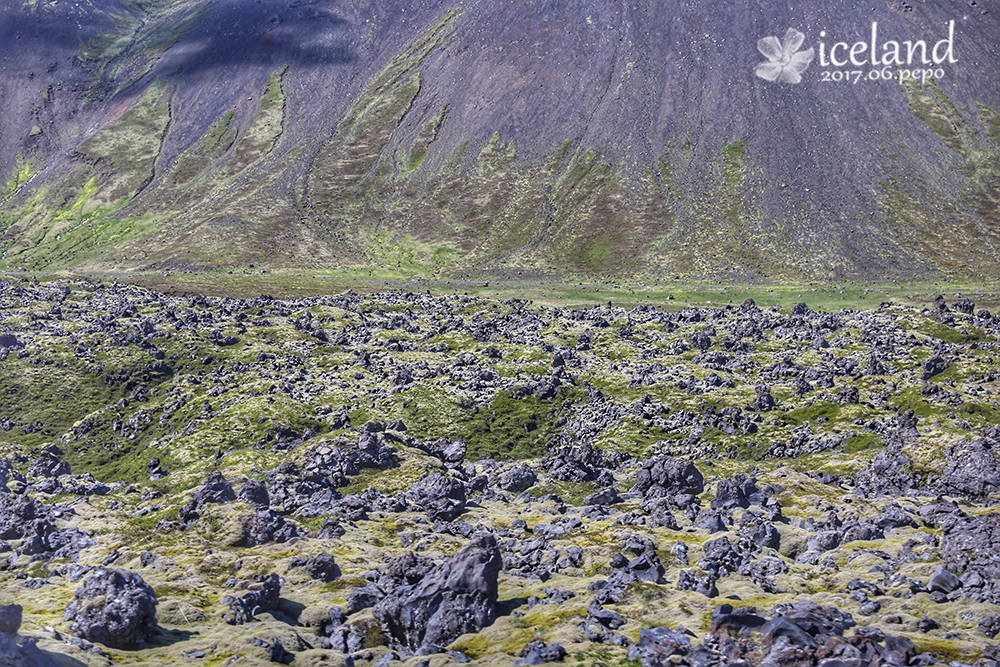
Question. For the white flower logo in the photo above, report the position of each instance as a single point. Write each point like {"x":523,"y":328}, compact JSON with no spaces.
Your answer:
{"x":785,"y":63}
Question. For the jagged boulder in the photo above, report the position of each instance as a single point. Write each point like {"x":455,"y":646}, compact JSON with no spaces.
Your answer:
{"x":796,"y":634}
{"x":665,"y":476}
{"x":720,"y":558}
{"x":10,"y":341}
{"x":709,"y":520}
{"x":764,"y":401}
{"x":10,"y":619}
{"x":330,"y":530}
{"x":457,"y":597}
{"x":657,"y":645}
{"x":643,"y":566}
{"x":254,"y":492}
{"x":933,"y":366}
{"x":27,"y":519}
{"x":970,"y":546}
{"x":322,"y":567}
{"x":889,"y":473}
{"x":442,"y":497}
{"x":700,"y":582}
{"x":519,"y":478}
{"x":818,"y":621}
{"x":450,"y":452}
{"x":973,"y":468}
{"x":737,"y":491}
{"x":405,"y":570}
{"x":7,"y":474}
{"x":48,"y":464}
{"x":17,"y":513}
{"x":113,"y":607}
{"x":215,"y":490}
{"x":758,"y":531}
{"x":363,"y":597}
{"x":334,"y":463}
{"x":267,"y":526}
{"x":10,"y":622}
{"x":263,"y":598}
{"x":538,"y":652}
{"x":989,"y":625}
{"x":579,"y":464}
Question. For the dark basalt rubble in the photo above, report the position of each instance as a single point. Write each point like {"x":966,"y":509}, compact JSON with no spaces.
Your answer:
{"x":17,"y":650}
{"x":113,"y":607}
{"x":457,"y":597}
{"x":262,"y":598}
{"x":306,"y":511}
{"x":35,"y":524}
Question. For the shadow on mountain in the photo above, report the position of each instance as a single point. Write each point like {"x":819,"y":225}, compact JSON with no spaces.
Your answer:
{"x":21,"y":33}
{"x":191,"y":59}
{"x":234,"y":35}
{"x":267,"y":34}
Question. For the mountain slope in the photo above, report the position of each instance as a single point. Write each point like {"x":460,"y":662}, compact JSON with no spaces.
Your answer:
{"x":590,"y":139}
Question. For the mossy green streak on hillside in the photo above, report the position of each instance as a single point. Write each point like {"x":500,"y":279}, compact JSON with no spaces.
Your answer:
{"x":210,"y":147}
{"x":921,"y":214}
{"x":23,"y":171}
{"x":121,"y":155}
{"x":565,"y":213}
{"x":351,"y":179}
{"x":991,"y":121}
{"x":222,"y":154}
{"x":66,"y":220}
{"x":341,"y":188}
{"x":428,"y":133}
{"x":151,"y":26}
{"x":265,"y":128}
{"x":142,"y":32}
{"x":206,"y":184}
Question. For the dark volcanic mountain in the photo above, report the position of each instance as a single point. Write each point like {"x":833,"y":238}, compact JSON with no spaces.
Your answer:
{"x":587,"y":138}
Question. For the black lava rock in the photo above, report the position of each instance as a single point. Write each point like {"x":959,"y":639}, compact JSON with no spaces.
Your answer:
{"x":263,"y":599}
{"x":456,"y":597}
{"x":113,"y":607}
